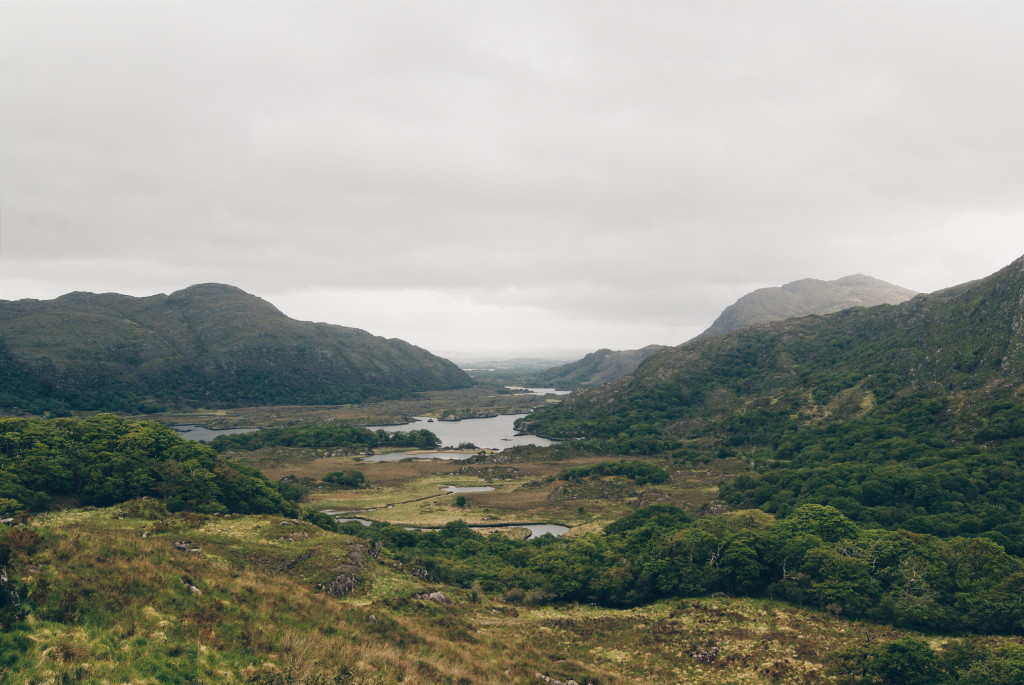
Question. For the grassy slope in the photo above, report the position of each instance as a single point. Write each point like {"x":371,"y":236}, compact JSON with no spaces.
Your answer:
{"x":964,"y":344}
{"x":526,"y":490}
{"x":108,"y":605}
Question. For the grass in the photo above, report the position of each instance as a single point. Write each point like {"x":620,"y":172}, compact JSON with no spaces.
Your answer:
{"x":107,"y":605}
{"x":409,"y":492}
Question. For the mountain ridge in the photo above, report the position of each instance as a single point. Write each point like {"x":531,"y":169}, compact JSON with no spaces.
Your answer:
{"x":956,"y":339}
{"x":804,"y":297}
{"x":600,"y":366}
{"x":205,"y":344}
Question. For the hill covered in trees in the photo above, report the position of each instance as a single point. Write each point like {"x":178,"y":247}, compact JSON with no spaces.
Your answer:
{"x":105,"y":460}
{"x":597,"y":367}
{"x":901,"y":416}
{"x":799,"y":298}
{"x":206,"y":345}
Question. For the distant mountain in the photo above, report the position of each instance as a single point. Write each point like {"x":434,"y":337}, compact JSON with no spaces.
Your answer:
{"x":963,"y":340}
{"x":206,"y":345}
{"x":805,"y":297}
{"x":595,"y":368}
{"x":799,"y":298}
{"x":904,"y":416}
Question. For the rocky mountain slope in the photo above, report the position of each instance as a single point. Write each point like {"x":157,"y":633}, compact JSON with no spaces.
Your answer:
{"x":206,"y":345}
{"x":805,"y":297}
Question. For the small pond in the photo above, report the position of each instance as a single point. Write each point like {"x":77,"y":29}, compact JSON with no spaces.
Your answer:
{"x":204,"y":434}
{"x":365,"y":522}
{"x":540,"y":391}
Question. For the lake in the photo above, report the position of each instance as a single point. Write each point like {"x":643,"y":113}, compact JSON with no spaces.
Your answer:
{"x":540,"y":391}
{"x":495,"y":433}
{"x":204,"y":434}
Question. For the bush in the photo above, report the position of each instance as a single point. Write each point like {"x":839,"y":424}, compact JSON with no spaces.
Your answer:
{"x":641,"y":472}
{"x":320,"y":519}
{"x":350,"y":480}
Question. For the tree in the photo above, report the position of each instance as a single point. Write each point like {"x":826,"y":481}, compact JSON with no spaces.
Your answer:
{"x":828,"y":523}
{"x":908,"y":662}
{"x":346,"y":479}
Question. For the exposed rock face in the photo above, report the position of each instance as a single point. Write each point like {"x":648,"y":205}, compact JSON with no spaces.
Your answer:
{"x":438,"y":597}
{"x":805,"y":297}
{"x":206,"y":344}
{"x":553,"y":681}
{"x":342,"y":585}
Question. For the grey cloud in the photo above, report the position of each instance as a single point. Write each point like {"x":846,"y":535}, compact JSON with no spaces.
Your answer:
{"x":641,"y":163}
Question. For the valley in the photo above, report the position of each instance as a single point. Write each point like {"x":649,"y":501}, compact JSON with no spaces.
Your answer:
{"x":830,"y":499}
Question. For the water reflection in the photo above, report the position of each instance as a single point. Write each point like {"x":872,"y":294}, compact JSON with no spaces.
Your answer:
{"x":495,"y":433}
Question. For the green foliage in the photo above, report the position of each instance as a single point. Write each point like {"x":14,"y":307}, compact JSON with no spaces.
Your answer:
{"x":325,"y":435}
{"x":817,"y":557}
{"x":659,"y":515}
{"x":901,"y":416}
{"x":828,"y":523}
{"x":908,"y":661}
{"x":292,"y":489}
{"x":105,"y":459}
{"x":641,"y":472}
{"x":202,"y":346}
{"x":346,"y":479}
{"x":320,"y":519}
{"x":9,"y":507}
{"x":898,"y":468}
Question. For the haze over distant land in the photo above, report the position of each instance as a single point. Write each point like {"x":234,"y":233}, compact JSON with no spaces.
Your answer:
{"x":474,"y":177}
{"x":799,"y":298}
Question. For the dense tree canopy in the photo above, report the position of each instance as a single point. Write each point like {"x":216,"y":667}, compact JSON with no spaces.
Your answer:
{"x":327,"y":436}
{"x":106,"y":459}
{"x":816,"y":556}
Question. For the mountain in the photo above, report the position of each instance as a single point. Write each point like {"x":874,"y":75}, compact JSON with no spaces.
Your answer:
{"x":595,"y":368}
{"x":907,"y":415}
{"x":799,"y":298}
{"x":804,"y":297}
{"x":964,"y":340}
{"x":206,"y":345}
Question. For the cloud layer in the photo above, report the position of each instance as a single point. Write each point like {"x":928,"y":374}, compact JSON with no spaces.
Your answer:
{"x":507,"y":176}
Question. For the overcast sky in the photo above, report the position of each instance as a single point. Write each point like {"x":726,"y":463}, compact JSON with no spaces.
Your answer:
{"x":507,"y":177}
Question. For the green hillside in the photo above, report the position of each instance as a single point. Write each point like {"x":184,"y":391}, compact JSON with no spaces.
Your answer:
{"x":597,"y":367}
{"x":899,"y":416}
{"x":206,"y":345}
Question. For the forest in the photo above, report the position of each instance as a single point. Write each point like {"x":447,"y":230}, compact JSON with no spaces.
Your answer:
{"x":106,"y":459}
